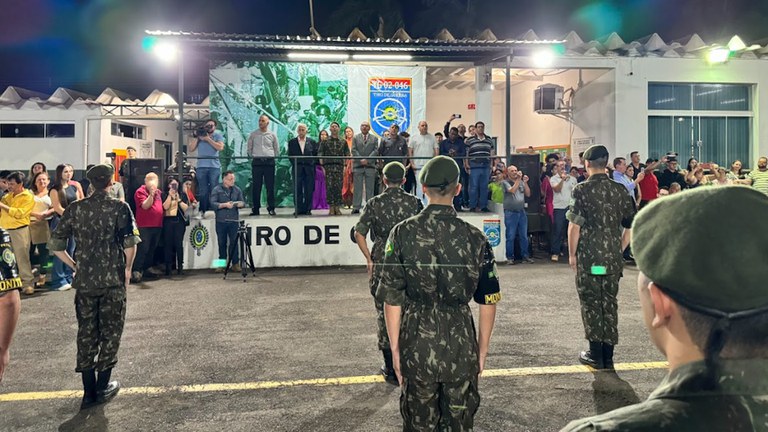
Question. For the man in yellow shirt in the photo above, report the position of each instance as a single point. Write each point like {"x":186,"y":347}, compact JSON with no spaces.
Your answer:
{"x":15,"y":208}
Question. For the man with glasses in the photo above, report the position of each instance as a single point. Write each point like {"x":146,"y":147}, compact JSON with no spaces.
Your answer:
{"x":208,"y":143}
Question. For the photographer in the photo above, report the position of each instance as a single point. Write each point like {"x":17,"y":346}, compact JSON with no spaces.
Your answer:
{"x":149,"y":220}
{"x":226,"y":199}
{"x":208,"y":143}
{"x":175,"y":205}
{"x":516,"y":190}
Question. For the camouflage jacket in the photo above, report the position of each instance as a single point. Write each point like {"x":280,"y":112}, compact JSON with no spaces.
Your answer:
{"x":601,"y":207}
{"x":103,"y":227}
{"x":434,"y":264}
{"x":382,"y":212}
{"x":333,"y":147}
{"x":681,"y":403}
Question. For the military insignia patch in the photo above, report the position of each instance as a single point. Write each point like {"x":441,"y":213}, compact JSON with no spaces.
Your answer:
{"x":9,"y":258}
{"x":389,"y":250}
{"x":492,"y":230}
{"x":198,"y":238}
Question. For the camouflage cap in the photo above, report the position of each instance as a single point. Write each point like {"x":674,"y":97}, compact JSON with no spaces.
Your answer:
{"x":595,"y":152}
{"x":440,"y":171}
{"x":394,"y":171}
{"x":705,"y":247}
{"x":100,"y":175}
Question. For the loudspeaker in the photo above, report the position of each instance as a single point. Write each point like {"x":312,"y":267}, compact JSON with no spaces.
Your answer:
{"x":547,"y":98}
{"x":135,"y":171}
{"x":529,"y":165}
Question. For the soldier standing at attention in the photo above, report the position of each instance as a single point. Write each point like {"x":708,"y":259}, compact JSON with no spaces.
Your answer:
{"x":708,"y":316}
{"x":434,"y":264}
{"x":333,"y":168}
{"x":379,"y":216}
{"x":601,"y":215}
{"x":106,"y":237}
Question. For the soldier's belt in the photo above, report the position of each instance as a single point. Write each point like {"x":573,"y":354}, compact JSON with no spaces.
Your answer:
{"x":10,"y":284}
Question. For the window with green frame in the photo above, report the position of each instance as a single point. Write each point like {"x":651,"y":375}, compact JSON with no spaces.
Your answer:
{"x":693,"y":129}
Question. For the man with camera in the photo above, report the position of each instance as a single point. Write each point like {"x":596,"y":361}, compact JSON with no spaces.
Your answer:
{"x":208,"y":143}
{"x":149,"y":219}
{"x":226,"y":200}
{"x":516,"y":190}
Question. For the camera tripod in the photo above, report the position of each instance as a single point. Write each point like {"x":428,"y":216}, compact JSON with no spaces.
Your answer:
{"x":243,"y":243}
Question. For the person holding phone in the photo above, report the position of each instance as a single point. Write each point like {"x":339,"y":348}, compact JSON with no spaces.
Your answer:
{"x":226,"y":200}
{"x":149,"y":219}
{"x":175,"y":205}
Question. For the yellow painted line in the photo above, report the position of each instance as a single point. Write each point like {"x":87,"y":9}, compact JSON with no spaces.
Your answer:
{"x":320,"y":382}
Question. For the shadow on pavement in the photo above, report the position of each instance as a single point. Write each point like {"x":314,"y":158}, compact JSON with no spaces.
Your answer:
{"x":612,"y":392}
{"x":354,"y":412}
{"x":92,"y":419}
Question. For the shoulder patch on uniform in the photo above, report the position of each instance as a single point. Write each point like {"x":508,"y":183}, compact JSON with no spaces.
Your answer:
{"x":389,"y":249}
{"x":491,"y":299}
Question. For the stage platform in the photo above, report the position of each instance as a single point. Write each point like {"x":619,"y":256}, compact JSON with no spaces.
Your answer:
{"x":318,"y":240}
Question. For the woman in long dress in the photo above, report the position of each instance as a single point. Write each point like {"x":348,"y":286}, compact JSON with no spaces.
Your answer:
{"x":347,"y":186}
{"x":319,"y":200}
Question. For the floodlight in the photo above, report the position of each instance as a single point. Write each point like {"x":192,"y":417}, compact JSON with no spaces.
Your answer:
{"x":318,"y":56}
{"x":165,"y":51}
{"x":718,"y":55}
{"x":543,"y":58}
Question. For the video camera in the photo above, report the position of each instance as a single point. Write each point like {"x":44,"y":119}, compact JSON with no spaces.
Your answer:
{"x":201,"y":131}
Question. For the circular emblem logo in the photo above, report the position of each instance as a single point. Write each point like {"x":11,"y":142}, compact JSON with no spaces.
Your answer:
{"x":9,"y":258}
{"x":198,"y":238}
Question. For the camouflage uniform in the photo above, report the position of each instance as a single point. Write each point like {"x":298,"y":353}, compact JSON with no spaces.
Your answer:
{"x":601,"y":207}
{"x":434,"y":264}
{"x":683,"y":403}
{"x":334,"y":168}
{"x":103,"y":227}
{"x":380,"y":214}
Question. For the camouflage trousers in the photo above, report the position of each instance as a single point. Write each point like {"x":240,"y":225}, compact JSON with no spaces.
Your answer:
{"x":334,"y":178}
{"x":599,"y":307}
{"x":383,"y":337}
{"x":439,"y":406}
{"x":100,"y":320}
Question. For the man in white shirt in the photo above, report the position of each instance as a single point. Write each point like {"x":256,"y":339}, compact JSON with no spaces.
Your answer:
{"x":421,"y":145}
{"x":263,"y":148}
{"x":562,"y":184}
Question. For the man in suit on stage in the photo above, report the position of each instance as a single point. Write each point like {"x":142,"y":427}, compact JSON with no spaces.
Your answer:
{"x":303,"y":169}
{"x":364,"y":144}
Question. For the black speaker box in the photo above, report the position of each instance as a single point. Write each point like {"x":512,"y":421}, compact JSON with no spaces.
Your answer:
{"x":136,"y":170}
{"x":529,"y":165}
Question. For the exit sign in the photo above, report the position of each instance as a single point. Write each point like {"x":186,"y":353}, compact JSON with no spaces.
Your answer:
{"x":471,"y":106}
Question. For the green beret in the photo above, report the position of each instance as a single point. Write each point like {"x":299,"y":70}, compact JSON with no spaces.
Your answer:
{"x":595,"y":152}
{"x":706,"y":247}
{"x":100,"y":175}
{"x":394,"y":171}
{"x":440,"y":171}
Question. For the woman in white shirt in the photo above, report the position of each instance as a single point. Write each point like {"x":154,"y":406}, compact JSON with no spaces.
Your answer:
{"x":39,"y":230}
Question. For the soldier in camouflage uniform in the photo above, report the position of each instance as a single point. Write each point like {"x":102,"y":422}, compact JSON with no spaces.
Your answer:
{"x":601,"y":214}
{"x":706,"y":312}
{"x":434,"y":264}
{"x":106,"y":237}
{"x":334,"y":168}
{"x":380,"y":214}
{"x":10,"y":301}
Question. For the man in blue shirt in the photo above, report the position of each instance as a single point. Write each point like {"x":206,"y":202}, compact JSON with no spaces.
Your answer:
{"x":208,"y":146}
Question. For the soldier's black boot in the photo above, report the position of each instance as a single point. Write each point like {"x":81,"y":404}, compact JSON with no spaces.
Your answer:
{"x":106,"y":390}
{"x":593,"y":357}
{"x":89,"y":387}
{"x":388,"y":370}
{"x":608,"y":356}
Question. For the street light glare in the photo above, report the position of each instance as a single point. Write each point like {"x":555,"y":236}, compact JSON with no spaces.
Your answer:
{"x":165,"y":51}
{"x":543,"y":58}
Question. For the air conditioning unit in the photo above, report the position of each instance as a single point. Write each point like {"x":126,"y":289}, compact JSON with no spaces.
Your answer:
{"x":548,"y":99}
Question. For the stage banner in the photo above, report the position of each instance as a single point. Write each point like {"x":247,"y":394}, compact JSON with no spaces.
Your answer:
{"x":310,"y":93}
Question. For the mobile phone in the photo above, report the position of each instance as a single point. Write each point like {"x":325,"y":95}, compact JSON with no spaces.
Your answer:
{"x":457,"y":116}
{"x":174,"y":186}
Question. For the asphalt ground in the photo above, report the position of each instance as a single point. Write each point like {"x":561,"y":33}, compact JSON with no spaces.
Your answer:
{"x":295,"y":350}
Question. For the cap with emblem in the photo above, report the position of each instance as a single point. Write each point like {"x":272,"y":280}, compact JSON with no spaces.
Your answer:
{"x":394,"y":172}
{"x":595,"y":152}
{"x":725,"y":282}
{"x":440,"y":171}
{"x":100,"y":175}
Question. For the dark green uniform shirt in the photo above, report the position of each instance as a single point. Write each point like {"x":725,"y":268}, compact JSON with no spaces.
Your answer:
{"x":103,"y":227}
{"x":333,"y":147}
{"x":434,"y":264}
{"x":682,"y":404}
{"x":602,"y":208}
{"x":9,"y":270}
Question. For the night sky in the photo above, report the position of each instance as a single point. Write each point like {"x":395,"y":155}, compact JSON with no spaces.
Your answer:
{"x":88,"y":45}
